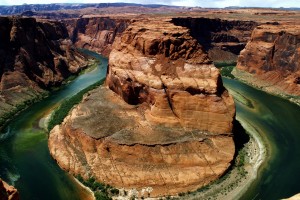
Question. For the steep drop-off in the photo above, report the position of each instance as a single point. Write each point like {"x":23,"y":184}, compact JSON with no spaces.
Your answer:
{"x":8,"y":192}
{"x":271,"y":59}
{"x":96,"y":33}
{"x":164,"y":127}
{"x":222,"y":39}
{"x":34,"y":56}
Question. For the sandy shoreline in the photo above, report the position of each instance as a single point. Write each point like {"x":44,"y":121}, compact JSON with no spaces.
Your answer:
{"x":89,"y":194}
{"x":236,"y":183}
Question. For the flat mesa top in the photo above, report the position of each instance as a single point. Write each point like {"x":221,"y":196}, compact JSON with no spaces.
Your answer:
{"x":103,"y":114}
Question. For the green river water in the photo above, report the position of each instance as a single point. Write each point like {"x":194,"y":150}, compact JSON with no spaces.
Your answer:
{"x":277,"y":121}
{"x":25,"y":160}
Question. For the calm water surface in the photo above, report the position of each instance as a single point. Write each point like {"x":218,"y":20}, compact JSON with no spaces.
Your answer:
{"x":278,"y":121}
{"x":24,"y":156}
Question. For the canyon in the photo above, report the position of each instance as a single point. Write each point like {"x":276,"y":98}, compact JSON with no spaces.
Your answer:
{"x":34,"y":56}
{"x":163,"y":122}
{"x":271,"y":60}
{"x":163,"y":104}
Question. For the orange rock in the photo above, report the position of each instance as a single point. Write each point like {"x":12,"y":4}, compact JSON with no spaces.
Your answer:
{"x":272,"y":57}
{"x":8,"y":192}
{"x":173,"y":132}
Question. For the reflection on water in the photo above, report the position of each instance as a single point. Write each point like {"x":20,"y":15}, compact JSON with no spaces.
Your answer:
{"x":24,"y":156}
{"x":278,"y":120}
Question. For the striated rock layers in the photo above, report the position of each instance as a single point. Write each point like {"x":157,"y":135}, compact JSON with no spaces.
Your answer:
{"x":164,"y":127}
{"x":271,"y":60}
{"x":33,"y":56}
{"x":8,"y":192}
{"x":222,"y":39}
{"x":96,"y":33}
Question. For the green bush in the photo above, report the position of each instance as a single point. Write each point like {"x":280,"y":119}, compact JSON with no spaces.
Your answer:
{"x":62,"y":111}
{"x":101,"y":190}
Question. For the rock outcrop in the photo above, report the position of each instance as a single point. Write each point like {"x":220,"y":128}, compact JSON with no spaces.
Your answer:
{"x":164,"y":127}
{"x":34,"y":56}
{"x":8,"y":192}
{"x":271,"y":59}
{"x":96,"y":33}
{"x":222,"y":39}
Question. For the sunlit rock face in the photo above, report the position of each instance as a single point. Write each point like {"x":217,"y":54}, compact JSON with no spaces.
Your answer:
{"x":272,"y":59}
{"x":162,"y":121}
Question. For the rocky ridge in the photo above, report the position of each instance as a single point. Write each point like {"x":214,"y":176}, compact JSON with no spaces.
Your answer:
{"x":34,"y":56}
{"x":8,"y":192}
{"x":165,"y":126}
{"x":96,"y":33}
{"x":222,"y":39}
{"x":271,"y":59}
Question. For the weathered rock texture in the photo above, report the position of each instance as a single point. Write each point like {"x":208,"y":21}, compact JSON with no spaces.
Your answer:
{"x":222,"y":39}
{"x":272,"y":59}
{"x":96,"y":33}
{"x":164,"y":66}
{"x":8,"y":192}
{"x":173,"y":134}
{"x":33,"y":56}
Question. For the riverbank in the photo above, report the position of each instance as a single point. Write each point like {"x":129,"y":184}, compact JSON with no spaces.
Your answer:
{"x":91,"y":195}
{"x":24,"y":154}
{"x":13,"y":102}
{"x":233,"y":184}
{"x":262,"y":85}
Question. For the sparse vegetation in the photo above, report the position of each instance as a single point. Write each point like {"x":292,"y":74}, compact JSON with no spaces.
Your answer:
{"x":101,"y":191}
{"x":62,"y":111}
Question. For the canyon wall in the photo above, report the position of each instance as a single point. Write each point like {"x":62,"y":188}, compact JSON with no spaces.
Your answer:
{"x":96,"y":33}
{"x":8,"y":192}
{"x":271,"y":60}
{"x":162,"y":124}
{"x":222,"y":39}
{"x":34,"y":56}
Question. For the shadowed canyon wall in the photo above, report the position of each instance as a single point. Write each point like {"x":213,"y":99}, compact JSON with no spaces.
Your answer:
{"x":96,"y":33}
{"x":34,"y":56}
{"x":222,"y":39}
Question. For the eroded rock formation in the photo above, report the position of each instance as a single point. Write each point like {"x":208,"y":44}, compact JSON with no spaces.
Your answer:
{"x":271,"y":59}
{"x":96,"y":33}
{"x":34,"y":55}
{"x":222,"y":39}
{"x":173,"y":134}
{"x":8,"y":192}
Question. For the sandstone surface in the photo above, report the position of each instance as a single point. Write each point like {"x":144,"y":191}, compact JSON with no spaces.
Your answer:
{"x":166,"y":123}
{"x":271,"y":59}
{"x":8,"y":192}
{"x":96,"y":33}
{"x":34,"y":56}
{"x":222,"y":39}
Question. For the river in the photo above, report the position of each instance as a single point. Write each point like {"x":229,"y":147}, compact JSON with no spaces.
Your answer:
{"x":25,"y":160}
{"x":277,"y":121}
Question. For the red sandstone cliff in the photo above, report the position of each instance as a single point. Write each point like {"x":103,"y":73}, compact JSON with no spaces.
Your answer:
{"x":271,"y":59}
{"x":96,"y":33}
{"x":175,"y":133}
{"x":34,"y":55}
